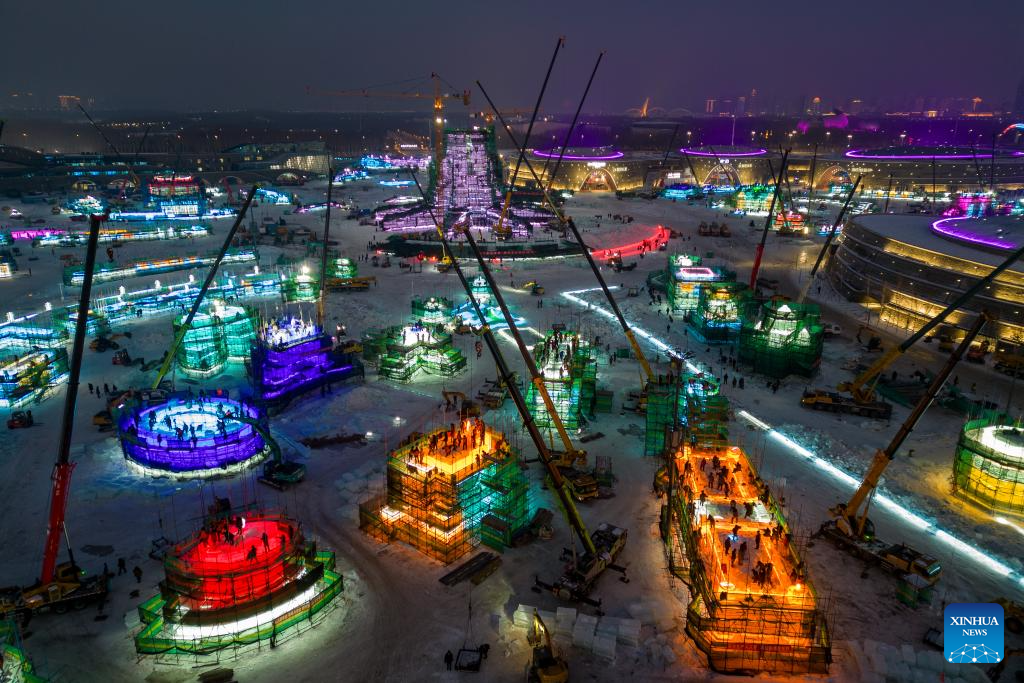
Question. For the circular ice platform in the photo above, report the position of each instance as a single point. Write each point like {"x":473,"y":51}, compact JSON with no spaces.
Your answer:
{"x":193,"y":437}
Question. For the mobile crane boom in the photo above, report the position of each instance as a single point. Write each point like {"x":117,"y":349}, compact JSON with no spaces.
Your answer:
{"x":568,"y":222}
{"x":63,"y":468}
{"x":558,"y":481}
{"x":202,"y":291}
{"x":862,"y":387}
{"x":849,"y":517}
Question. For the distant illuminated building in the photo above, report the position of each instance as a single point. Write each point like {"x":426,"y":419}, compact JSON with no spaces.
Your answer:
{"x":988,"y":468}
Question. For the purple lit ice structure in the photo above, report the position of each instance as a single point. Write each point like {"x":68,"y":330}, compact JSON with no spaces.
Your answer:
{"x":468,"y":195}
{"x":291,"y":357}
{"x":724,"y":152}
{"x":572,"y":154}
{"x":946,"y":227}
{"x":160,"y":440}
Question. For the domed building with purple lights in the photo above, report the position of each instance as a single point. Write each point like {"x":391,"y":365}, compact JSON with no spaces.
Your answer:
{"x":909,"y":267}
{"x":586,"y":169}
{"x":916,"y":169}
{"x":729,"y":165}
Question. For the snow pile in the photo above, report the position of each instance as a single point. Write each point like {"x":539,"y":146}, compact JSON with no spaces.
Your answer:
{"x":598,"y":635}
{"x":882,"y":663}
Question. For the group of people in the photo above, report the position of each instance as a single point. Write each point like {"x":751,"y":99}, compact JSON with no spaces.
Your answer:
{"x":469,"y":434}
{"x":558,"y":351}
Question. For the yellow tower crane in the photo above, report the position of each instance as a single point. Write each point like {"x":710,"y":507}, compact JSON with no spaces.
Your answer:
{"x":437,"y":95}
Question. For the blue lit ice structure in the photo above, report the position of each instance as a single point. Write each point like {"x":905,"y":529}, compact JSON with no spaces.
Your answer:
{"x":292,"y":356}
{"x":159,"y":439}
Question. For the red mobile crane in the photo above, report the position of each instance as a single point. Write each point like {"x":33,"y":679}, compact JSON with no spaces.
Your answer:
{"x":63,"y":585}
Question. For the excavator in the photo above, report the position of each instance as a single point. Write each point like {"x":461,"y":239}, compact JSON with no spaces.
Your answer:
{"x":547,"y":666}
{"x":858,"y":396}
{"x":851,"y":529}
{"x":64,"y":585}
{"x":601,"y":548}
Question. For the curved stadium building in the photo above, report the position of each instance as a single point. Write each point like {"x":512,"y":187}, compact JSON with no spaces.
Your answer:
{"x":912,"y":267}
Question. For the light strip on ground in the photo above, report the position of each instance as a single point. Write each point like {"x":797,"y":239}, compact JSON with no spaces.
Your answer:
{"x":980,"y":557}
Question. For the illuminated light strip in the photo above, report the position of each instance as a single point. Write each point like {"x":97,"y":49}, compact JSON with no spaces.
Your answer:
{"x":865,"y":154}
{"x":942,"y":227}
{"x":723,"y":154}
{"x":187,"y":632}
{"x":891,"y":505}
{"x":579,"y":157}
{"x":980,"y":557}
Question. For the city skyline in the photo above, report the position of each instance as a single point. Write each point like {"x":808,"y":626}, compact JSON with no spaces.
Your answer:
{"x":677,"y":57}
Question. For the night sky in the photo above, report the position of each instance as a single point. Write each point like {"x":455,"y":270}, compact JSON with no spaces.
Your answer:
{"x":200,"y":55}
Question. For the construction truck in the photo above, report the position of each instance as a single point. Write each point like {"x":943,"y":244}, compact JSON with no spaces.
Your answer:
{"x":582,"y":485}
{"x":20,"y":419}
{"x":861,"y":389}
{"x":851,"y":529}
{"x":582,"y":571}
{"x":830,"y":401}
{"x":69,"y":589}
{"x":103,"y":344}
{"x":546,"y":666}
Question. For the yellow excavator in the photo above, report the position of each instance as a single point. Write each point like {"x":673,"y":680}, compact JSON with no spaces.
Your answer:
{"x":851,"y":529}
{"x":547,"y":666}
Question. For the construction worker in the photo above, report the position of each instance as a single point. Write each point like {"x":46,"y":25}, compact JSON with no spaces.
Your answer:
{"x":449,"y":659}
{"x":138,"y":574}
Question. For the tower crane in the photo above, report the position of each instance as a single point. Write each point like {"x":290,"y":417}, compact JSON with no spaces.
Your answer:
{"x":437,"y":95}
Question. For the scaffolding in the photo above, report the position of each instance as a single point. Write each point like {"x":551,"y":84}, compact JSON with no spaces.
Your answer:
{"x":300,"y":286}
{"x":569,"y":367}
{"x":450,"y":490}
{"x":433,"y":310}
{"x":988,"y":467}
{"x":341,"y":267}
{"x":781,"y":337}
{"x":64,"y":320}
{"x":753,"y":608}
{"x":686,"y":276}
{"x":716,"y":320}
{"x":400,"y":352}
{"x":15,"y":666}
{"x":203,"y":352}
{"x":493,"y":316}
{"x":690,"y":400}
{"x":26,"y":379}
{"x":239,"y":580}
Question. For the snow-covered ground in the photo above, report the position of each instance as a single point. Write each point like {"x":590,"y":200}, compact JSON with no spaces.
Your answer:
{"x":396,"y":620}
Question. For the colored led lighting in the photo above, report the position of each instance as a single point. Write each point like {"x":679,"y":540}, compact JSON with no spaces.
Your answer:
{"x":695,"y":273}
{"x":723,"y":154}
{"x":945,"y":227}
{"x":579,"y":157}
{"x":867,"y":154}
{"x":987,"y":561}
{"x":292,"y":357}
{"x":159,"y":438}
